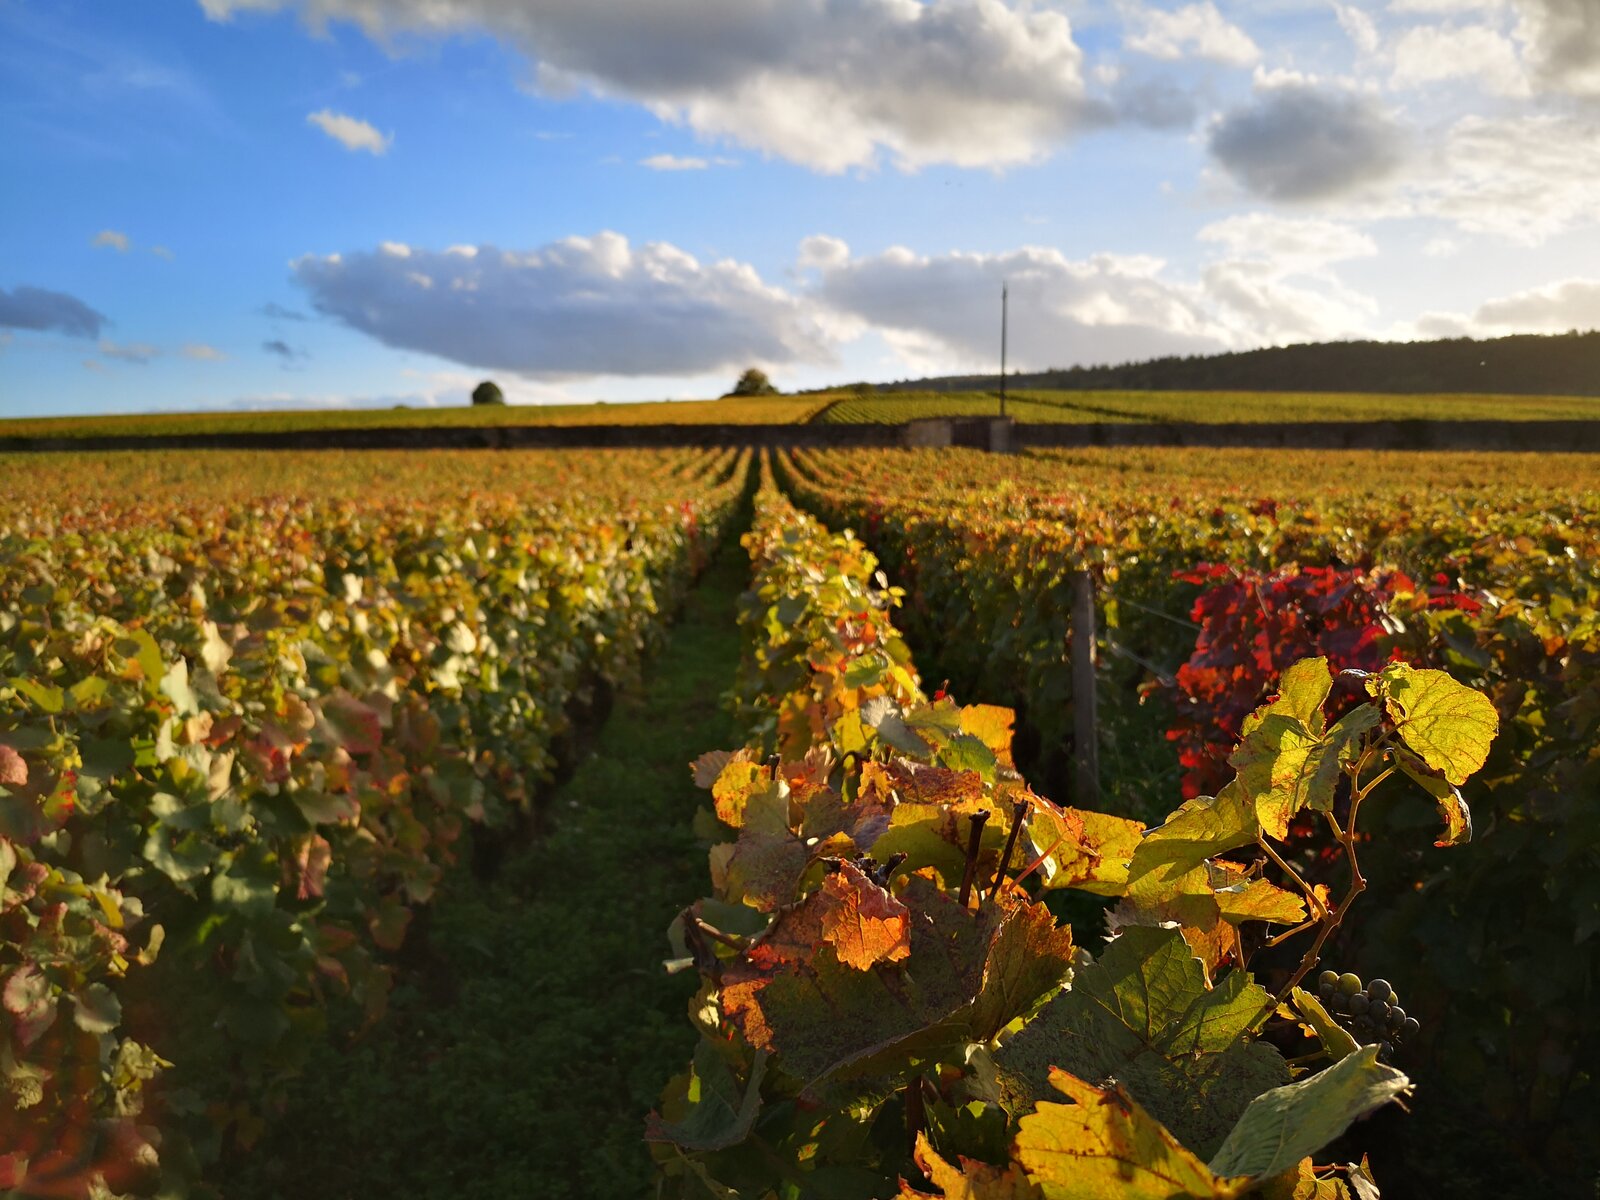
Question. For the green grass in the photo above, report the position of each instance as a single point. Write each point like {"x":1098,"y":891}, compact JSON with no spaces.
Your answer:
{"x":524,"y":1062}
{"x":1209,"y":407}
{"x":776,"y":410}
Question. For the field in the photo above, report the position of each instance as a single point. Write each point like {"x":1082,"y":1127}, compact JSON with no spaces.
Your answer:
{"x":1076,"y":407}
{"x":1044,"y":407}
{"x":351,"y":802}
{"x":778,"y":410}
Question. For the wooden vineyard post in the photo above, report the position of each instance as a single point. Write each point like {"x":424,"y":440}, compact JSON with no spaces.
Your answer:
{"x":1085,"y":725}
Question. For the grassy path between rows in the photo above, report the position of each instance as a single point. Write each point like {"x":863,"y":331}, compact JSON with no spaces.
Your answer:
{"x":523,"y":1063}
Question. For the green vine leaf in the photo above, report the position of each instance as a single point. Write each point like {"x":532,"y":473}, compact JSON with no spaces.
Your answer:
{"x":1288,"y":1123}
{"x":1104,"y":1145}
{"x":1453,"y":810}
{"x":719,"y":1111}
{"x":1450,"y":726}
{"x":1335,"y":1038}
{"x":1143,"y":1014}
{"x":1203,"y":828}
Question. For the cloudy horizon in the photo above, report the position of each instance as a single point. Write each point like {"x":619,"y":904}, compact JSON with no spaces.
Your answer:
{"x":328,"y":202}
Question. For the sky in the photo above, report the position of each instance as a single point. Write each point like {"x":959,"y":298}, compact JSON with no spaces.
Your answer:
{"x":248,"y":204}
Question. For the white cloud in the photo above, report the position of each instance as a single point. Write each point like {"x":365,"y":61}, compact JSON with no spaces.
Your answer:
{"x":1555,"y":308}
{"x":132,"y":352}
{"x":1523,"y":178}
{"x":350,"y":132}
{"x":1428,"y":54}
{"x":1291,"y":244}
{"x":832,"y":84}
{"x":162,"y":252}
{"x":671,"y":162}
{"x":1196,"y":30}
{"x":1358,"y":26}
{"x":1441,"y":247}
{"x":939,"y":312}
{"x":200,"y":352}
{"x":111,"y":239}
{"x":1265,"y":308}
{"x":574,"y":308}
{"x":821,"y":250}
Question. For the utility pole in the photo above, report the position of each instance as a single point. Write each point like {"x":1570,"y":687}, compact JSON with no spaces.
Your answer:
{"x":1004,"y":289}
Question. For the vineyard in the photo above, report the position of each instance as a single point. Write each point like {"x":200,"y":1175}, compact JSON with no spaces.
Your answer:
{"x":1029,"y":406}
{"x":1079,"y":407}
{"x":1312,"y":916}
{"x":763,"y":410}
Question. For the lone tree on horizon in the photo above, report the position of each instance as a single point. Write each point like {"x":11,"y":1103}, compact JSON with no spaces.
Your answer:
{"x":754,"y":382}
{"x":488,"y":392}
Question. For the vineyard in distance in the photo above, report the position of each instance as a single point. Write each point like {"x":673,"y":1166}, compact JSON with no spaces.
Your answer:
{"x":845,"y":824}
{"x":850,"y":407}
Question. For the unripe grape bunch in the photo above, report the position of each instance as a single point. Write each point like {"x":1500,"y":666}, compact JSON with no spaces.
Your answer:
{"x":1371,"y":1013}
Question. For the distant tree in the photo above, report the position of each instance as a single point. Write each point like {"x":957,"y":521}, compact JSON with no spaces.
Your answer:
{"x":488,"y":392}
{"x":754,"y":382}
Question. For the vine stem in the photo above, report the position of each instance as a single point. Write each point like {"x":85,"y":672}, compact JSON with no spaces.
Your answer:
{"x":1319,"y":910}
{"x":1018,"y":812}
{"x":974,"y":845}
{"x":732,"y":941}
{"x":916,"y":1114}
{"x":1358,"y":881}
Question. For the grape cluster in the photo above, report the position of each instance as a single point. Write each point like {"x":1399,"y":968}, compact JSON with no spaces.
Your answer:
{"x":1371,"y":1013}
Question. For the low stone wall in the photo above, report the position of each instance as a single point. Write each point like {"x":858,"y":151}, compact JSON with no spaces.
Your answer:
{"x":984,"y":433}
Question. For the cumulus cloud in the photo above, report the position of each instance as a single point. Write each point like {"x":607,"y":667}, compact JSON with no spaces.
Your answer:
{"x":1563,"y":43}
{"x":941,"y":312}
{"x":1195,"y":30}
{"x":1275,"y":279}
{"x":1358,"y":26}
{"x":938,"y":312}
{"x":1303,"y":141}
{"x":832,"y":84}
{"x":41,"y":310}
{"x":1428,"y":54}
{"x":1569,"y":304}
{"x":350,"y":132}
{"x":1291,"y":244}
{"x":577,"y":307}
{"x":110,"y":239}
{"x":1555,"y":308}
{"x":1523,"y":178}
{"x":200,"y":352}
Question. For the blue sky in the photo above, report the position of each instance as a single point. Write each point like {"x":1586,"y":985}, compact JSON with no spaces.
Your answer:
{"x":216,"y":204}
